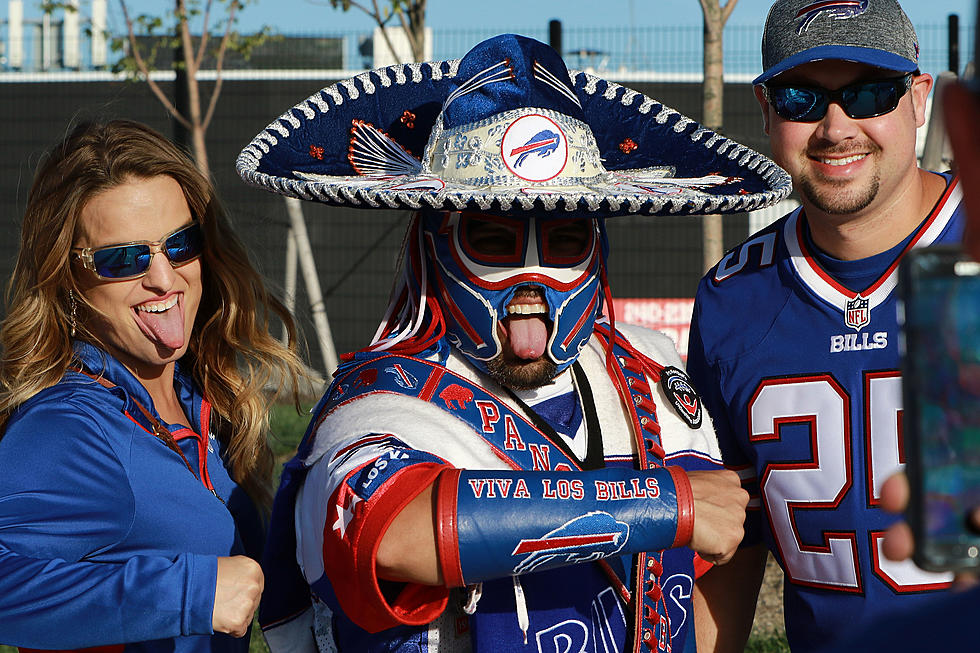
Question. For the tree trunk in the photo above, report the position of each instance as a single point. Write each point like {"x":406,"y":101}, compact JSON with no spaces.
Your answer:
{"x":200,"y":150}
{"x":416,"y":22}
{"x":713,"y":87}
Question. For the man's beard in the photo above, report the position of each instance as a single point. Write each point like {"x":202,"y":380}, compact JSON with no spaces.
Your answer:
{"x":839,"y":203}
{"x":521,"y":375}
{"x":840,"y":198}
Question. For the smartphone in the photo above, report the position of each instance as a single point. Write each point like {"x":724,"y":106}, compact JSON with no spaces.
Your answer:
{"x":939,"y":312}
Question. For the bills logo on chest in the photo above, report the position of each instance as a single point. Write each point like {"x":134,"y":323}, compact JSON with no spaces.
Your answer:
{"x":856,"y":310}
{"x":677,"y":386}
{"x":857,"y":315}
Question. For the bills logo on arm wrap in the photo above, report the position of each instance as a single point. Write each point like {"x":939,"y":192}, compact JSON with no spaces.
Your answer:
{"x":494,"y":524}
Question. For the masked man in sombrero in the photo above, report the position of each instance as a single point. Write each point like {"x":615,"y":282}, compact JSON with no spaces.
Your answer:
{"x":503,"y":468}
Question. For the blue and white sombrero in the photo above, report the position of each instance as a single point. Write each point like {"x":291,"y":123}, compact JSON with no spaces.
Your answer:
{"x":505,"y":129}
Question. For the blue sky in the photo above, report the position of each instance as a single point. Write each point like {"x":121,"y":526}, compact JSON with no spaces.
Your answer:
{"x":302,"y":16}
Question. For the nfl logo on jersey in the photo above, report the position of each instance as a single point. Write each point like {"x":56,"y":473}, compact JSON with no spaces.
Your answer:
{"x":856,"y":314}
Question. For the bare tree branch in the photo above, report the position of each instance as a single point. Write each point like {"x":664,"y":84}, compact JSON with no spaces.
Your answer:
{"x":145,"y":70}
{"x":219,"y":65}
{"x":381,"y":23}
{"x":726,"y":11}
{"x":411,"y":17}
{"x":202,"y":47}
{"x":192,"y":62}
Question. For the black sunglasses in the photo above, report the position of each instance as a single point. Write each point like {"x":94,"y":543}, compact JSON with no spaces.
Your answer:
{"x":132,"y":260}
{"x":869,"y":99}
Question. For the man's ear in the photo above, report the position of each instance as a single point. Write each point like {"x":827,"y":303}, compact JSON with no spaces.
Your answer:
{"x":760,"y":95}
{"x":921,"y":86}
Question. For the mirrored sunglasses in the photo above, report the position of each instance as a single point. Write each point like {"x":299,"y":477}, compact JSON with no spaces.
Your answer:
{"x":867,"y":99}
{"x":132,"y":260}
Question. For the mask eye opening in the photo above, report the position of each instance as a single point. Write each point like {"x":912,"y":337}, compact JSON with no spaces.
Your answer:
{"x":493,"y":240}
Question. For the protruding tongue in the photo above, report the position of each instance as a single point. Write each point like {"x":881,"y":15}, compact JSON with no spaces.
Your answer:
{"x":166,"y":327}
{"x":528,"y":335}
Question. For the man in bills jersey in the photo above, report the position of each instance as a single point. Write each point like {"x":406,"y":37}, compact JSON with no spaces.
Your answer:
{"x":502,"y":469}
{"x":947,"y":624}
{"x":794,"y":340}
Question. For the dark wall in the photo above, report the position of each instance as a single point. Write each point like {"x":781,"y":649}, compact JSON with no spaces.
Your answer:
{"x":356,"y":250}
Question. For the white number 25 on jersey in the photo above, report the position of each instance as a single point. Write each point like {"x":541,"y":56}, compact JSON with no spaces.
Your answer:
{"x":822,"y":481}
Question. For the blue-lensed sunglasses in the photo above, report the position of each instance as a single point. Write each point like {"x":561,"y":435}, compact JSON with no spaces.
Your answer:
{"x":132,"y":260}
{"x":868,"y":99}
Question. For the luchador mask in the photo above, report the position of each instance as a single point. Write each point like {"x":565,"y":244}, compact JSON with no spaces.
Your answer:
{"x":480,"y":261}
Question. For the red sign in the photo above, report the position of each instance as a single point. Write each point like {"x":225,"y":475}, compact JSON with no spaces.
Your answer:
{"x":671,"y":316}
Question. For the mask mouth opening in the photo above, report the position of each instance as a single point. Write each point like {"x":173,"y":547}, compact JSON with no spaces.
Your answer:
{"x":527,"y":325}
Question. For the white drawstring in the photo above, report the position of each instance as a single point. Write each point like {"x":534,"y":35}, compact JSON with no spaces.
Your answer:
{"x":473,"y":594}
{"x":522,"y":619}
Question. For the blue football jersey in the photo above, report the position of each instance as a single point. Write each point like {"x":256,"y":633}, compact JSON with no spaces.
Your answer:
{"x":801,"y":376}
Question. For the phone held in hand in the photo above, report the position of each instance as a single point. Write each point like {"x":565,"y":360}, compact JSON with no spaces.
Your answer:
{"x":939,"y":311}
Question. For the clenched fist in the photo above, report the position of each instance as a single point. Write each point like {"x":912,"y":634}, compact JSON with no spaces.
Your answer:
{"x":236,"y":595}
{"x":719,"y":514}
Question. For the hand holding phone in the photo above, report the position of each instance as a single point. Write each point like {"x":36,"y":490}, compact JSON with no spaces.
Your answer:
{"x":940,"y":293}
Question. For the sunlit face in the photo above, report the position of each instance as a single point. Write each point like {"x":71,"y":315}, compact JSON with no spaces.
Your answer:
{"x":841,"y":165}
{"x":145,"y":322}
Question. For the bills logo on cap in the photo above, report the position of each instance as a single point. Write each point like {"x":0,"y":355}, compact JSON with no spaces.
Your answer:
{"x":592,"y":536}
{"x":857,"y":315}
{"x":837,"y":9}
{"x":534,"y":148}
{"x":678,"y":388}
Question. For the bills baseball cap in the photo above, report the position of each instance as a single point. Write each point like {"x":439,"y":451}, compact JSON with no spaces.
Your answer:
{"x":873,"y":32}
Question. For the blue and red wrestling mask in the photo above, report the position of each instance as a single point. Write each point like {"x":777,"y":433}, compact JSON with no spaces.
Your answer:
{"x":534,"y":283}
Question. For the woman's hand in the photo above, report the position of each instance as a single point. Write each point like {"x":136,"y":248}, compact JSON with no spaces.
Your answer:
{"x":236,"y":595}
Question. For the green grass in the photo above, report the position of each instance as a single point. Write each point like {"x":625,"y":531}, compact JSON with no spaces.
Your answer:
{"x":257,"y":643}
{"x":287,"y":428}
{"x":770,"y":643}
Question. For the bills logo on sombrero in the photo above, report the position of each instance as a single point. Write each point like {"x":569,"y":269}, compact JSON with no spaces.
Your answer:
{"x":591,"y":536}
{"x":835,"y":9}
{"x":534,"y":148}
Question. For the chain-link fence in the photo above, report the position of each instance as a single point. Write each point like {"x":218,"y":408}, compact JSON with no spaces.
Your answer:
{"x":356,"y":250}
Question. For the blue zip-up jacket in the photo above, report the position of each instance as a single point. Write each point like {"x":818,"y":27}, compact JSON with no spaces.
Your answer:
{"x":106,"y":536}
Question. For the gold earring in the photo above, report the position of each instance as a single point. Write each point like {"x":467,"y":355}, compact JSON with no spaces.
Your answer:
{"x":71,"y":307}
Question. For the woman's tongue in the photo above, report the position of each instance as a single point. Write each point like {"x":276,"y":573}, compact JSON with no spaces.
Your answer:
{"x":165,"y":328}
{"x":527,"y":335}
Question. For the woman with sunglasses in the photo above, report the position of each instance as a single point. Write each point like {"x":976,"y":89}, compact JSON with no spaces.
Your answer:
{"x":134,"y":467}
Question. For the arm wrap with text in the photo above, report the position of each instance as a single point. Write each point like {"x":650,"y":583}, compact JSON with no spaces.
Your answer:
{"x":495,"y":524}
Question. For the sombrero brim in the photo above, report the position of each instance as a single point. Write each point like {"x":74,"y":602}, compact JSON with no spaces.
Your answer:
{"x":658,"y":161}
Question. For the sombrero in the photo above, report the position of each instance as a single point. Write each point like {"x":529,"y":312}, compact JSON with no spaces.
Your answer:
{"x":505,"y":129}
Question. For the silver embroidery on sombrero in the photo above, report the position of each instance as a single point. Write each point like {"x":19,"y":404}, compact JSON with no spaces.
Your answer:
{"x":547,"y":77}
{"x":372,"y":152}
{"x":474,"y":156}
{"x":653,"y":193}
{"x":497,"y":73}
